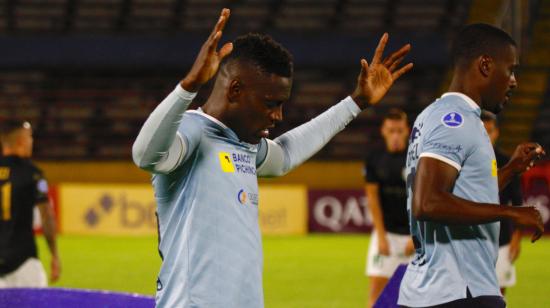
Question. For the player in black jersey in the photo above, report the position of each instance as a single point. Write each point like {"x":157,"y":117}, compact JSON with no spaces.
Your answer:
{"x":510,"y":237}
{"x":385,"y":187}
{"x":22,"y":187}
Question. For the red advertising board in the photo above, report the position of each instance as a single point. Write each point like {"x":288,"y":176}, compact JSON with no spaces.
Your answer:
{"x":340,"y":210}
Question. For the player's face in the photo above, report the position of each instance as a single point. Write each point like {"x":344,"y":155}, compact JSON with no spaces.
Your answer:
{"x":261,"y":106}
{"x":503,"y":80}
{"x":492,"y":130}
{"x":395,"y":134}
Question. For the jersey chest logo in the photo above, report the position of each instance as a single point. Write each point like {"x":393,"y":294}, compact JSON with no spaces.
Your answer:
{"x":225,"y":162}
{"x":452,"y":120}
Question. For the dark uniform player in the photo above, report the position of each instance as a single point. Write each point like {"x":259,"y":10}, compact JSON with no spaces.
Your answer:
{"x":22,"y":186}
{"x":385,"y":187}
{"x":510,"y":238}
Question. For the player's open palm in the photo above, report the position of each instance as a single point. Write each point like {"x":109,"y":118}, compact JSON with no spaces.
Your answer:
{"x":376,"y":78}
{"x":529,"y":216}
{"x":209,"y":58}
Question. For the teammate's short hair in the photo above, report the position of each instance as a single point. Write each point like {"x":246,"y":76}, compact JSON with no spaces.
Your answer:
{"x":487,"y":116}
{"x":7,"y":127}
{"x":395,"y":114}
{"x":264,"y":52}
{"x":479,"y":39}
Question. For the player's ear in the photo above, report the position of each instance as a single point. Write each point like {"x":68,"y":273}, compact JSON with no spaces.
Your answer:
{"x":485,"y":65}
{"x":234,"y":91}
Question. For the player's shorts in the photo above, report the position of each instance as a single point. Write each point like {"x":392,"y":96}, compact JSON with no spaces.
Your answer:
{"x":506,"y":271}
{"x":383,"y":266}
{"x":30,"y":274}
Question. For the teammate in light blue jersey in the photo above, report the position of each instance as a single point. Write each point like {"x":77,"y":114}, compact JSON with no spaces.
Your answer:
{"x":206,"y":162}
{"x":453,"y":180}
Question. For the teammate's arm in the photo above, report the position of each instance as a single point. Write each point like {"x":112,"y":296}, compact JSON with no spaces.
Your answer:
{"x":522,"y":160}
{"x":48,"y":228}
{"x":433,"y":201}
{"x":158,"y":147}
{"x":373,"y":199}
{"x":296,"y":146}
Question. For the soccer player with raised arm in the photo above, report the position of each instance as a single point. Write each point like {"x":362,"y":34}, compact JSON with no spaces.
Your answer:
{"x":453,"y":181}
{"x":205,"y":162}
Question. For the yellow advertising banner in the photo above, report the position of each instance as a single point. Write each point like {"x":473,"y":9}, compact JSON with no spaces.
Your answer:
{"x":107,"y":209}
{"x":283,"y":209}
{"x":112,"y":209}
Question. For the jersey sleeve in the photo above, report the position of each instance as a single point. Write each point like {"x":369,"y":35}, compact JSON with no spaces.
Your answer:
{"x":450,"y":141}
{"x":40,"y":187}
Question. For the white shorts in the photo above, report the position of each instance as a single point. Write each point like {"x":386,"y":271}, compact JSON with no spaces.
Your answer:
{"x":383,"y":266}
{"x":30,"y":274}
{"x":506,"y":271}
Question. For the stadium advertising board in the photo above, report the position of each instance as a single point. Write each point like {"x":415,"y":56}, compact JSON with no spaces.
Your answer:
{"x":283,"y":210}
{"x":104,"y":209}
{"x":107,"y":209}
{"x":342,"y":210}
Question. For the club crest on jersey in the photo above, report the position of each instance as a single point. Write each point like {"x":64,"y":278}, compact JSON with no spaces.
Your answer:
{"x":452,"y":120}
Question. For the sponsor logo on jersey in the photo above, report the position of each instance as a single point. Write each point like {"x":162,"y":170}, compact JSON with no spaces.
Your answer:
{"x":237,"y":162}
{"x":452,"y":120}
{"x":494,"y":168}
{"x":247,"y":198}
{"x":225,"y":162}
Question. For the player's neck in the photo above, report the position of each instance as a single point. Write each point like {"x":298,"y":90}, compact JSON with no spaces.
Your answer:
{"x":462,"y":85}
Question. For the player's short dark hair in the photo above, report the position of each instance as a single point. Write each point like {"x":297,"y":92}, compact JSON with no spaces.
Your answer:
{"x":264,"y":52}
{"x":8,"y":126}
{"x":487,"y":116}
{"x":395,"y":114}
{"x":479,"y":39}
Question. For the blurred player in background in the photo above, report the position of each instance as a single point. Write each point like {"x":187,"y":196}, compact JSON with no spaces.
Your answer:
{"x":22,"y":187}
{"x":391,"y":243}
{"x":510,"y":237}
{"x":454,"y":182}
{"x":206,"y":162}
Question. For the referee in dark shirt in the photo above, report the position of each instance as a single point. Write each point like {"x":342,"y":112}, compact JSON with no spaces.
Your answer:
{"x":22,"y":187}
{"x":510,"y":238}
{"x":385,"y":187}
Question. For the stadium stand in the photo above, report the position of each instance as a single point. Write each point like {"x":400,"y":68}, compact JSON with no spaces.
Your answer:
{"x":94,"y":111}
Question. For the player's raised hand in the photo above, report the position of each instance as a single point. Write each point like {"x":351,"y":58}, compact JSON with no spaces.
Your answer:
{"x":525,"y":156}
{"x":529,"y":216}
{"x":208,"y":60}
{"x":376,"y":78}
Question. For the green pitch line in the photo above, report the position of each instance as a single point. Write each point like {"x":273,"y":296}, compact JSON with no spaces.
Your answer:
{"x":312,"y":271}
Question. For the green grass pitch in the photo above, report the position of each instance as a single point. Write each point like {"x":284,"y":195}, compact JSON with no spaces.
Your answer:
{"x":309,"y":271}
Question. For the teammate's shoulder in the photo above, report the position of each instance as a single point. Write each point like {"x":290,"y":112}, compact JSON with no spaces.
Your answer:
{"x":32,"y":166}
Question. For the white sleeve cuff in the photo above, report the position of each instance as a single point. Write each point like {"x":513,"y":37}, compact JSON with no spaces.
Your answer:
{"x":184,"y":94}
{"x":443,"y":159}
{"x":352,"y":106}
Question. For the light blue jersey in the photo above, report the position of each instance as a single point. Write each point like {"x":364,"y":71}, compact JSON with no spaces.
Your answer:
{"x":206,"y":189}
{"x":453,"y":258}
{"x":208,"y":221}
